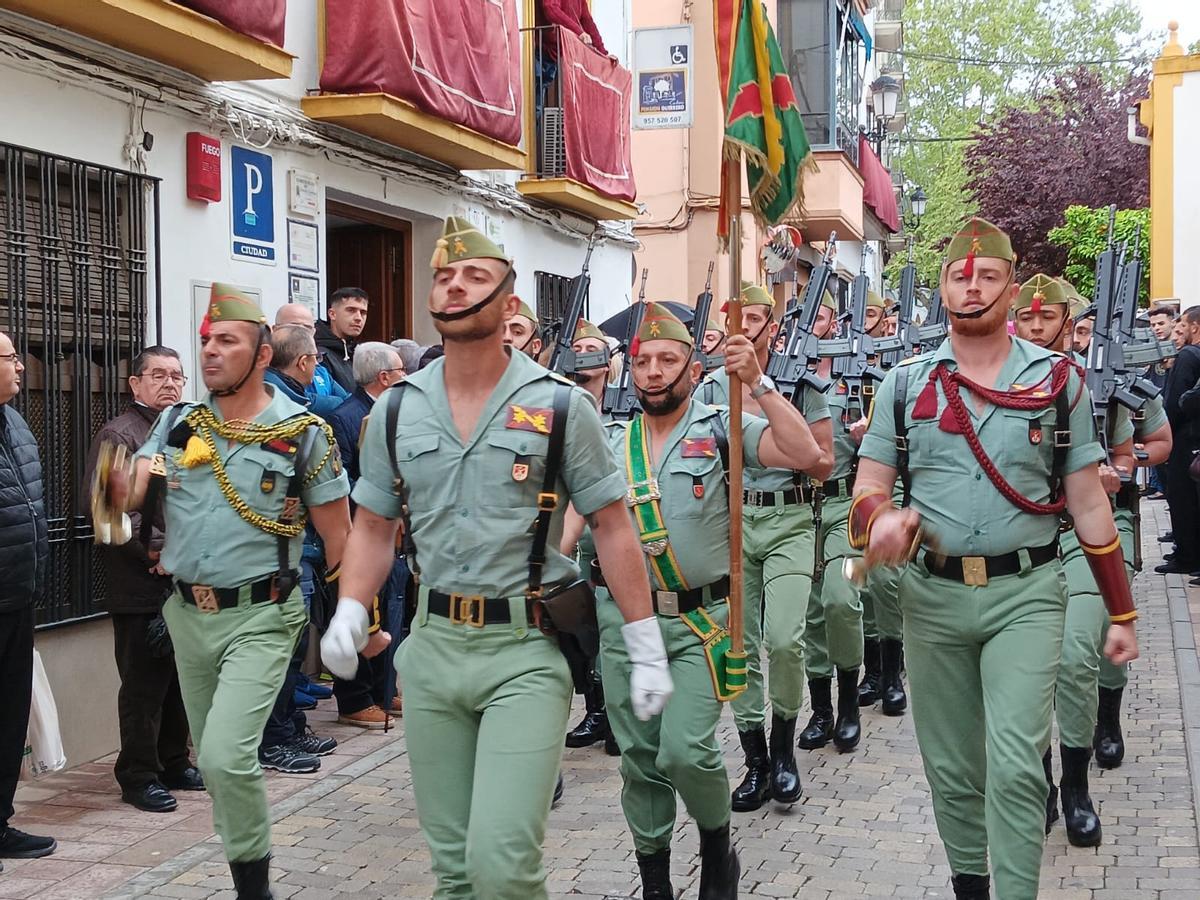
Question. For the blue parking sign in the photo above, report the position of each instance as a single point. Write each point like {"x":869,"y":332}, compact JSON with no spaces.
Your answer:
{"x":253,"y":197}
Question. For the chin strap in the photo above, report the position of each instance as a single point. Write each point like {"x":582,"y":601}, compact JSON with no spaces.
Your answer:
{"x":263,"y":331}
{"x":471,"y":310}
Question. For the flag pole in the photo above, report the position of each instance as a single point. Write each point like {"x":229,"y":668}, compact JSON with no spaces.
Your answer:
{"x":733,"y":188}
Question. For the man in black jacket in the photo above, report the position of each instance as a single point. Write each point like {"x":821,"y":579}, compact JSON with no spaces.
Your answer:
{"x":154,"y":731}
{"x":338,"y":336}
{"x":1185,"y":426}
{"x":23,"y":553}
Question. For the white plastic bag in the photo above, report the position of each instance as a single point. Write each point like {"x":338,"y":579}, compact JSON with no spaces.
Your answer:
{"x":43,"y":744}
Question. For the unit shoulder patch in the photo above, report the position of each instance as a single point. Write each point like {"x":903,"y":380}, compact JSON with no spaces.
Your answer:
{"x":537,"y":419}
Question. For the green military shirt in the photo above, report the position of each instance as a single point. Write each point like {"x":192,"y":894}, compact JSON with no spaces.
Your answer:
{"x":714,"y":390}
{"x":958,"y":502}
{"x":845,"y":450}
{"x":695,"y":500}
{"x":472,"y":502}
{"x":208,"y":542}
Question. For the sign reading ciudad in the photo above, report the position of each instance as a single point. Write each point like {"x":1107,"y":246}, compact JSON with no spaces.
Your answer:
{"x":252,"y":202}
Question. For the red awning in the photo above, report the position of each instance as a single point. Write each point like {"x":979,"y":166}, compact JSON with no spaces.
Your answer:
{"x":455,"y":59}
{"x":878,"y":192}
{"x":596,"y":95}
{"x":259,"y":19}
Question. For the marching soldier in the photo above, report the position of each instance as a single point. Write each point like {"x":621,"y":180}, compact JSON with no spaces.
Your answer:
{"x":521,"y":331}
{"x":674,"y":456}
{"x":714,"y":337}
{"x":239,"y":473}
{"x":779,"y":541}
{"x":477,"y":455}
{"x":984,"y":603}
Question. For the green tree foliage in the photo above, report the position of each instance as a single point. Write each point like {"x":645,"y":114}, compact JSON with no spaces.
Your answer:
{"x":1085,"y":235}
{"x":965,"y":61}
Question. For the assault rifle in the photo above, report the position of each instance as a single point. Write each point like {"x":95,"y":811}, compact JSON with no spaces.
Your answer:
{"x":796,"y":366}
{"x":853,"y":353}
{"x":931,"y":334}
{"x":1138,"y":351}
{"x":700,"y":325}
{"x":564,"y":360}
{"x":904,"y":342}
{"x":620,"y":402}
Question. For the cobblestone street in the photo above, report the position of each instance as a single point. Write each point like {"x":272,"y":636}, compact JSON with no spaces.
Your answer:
{"x":864,"y":828}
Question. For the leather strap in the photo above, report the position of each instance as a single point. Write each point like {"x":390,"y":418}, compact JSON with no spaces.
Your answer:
{"x":964,"y":568}
{"x":391,"y":422}
{"x":227,"y":598}
{"x":468,"y":609}
{"x":547,"y":501}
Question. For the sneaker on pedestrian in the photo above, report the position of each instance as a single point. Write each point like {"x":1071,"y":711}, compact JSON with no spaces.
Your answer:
{"x":16,"y":844}
{"x":397,"y":706}
{"x":313,"y":688}
{"x":303,"y":700}
{"x":371,"y":717}
{"x":287,"y":759}
{"x":312,"y":744}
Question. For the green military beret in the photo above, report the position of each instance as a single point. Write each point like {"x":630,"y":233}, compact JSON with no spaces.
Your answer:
{"x":754,"y":295}
{"x":979,"y":237}
{"x":462,"y":240}
{"x":229,"y":304}
{"x":524,"y":310}
{"x":874,"y":299}
{"x":1041,"y":290}
{"x":659,"y":324}
{"x":586,"y":329}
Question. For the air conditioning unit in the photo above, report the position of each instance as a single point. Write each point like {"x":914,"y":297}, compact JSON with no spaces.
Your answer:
{"x":553,"y":161}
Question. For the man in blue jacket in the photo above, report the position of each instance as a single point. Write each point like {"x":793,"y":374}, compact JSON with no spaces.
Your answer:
{"x":324,"y":393}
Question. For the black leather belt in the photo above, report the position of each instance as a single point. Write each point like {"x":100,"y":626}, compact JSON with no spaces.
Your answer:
{"x":977,"y":570}
{"x":472,"y":609}
{"x":675,"y":603}
{"x":839,"y":487}
{"x":789,"y":497}
{"x":207,"y":598}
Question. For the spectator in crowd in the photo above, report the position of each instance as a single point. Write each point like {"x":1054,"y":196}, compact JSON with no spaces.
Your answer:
{"x":364,"y":700}
{"x":576,"y":17}
{"x":430,"y":354}
{"x":288,"y":744}
{"x":24,"y":549}
{"x":337,"y":337}
{"x":410,"y":353}
{"x":1162,"y":323}
{"x":153,"y":760}
{"x":324,"y":394}
{"x":1182,"y":496}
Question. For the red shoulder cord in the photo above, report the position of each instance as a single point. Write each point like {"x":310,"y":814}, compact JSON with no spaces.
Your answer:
{"x":1023,"y":399}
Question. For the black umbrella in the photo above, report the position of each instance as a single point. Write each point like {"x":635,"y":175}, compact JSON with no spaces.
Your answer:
{"x":615,"y":326}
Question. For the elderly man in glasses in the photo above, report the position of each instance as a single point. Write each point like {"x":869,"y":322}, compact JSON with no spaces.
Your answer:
{"x":154,"y":731}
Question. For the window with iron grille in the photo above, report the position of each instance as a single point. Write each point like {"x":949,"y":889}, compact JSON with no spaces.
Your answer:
{"x":553,"y":293}
{"x":75,"y":245}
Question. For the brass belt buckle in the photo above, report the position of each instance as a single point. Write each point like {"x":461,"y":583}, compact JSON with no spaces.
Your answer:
{"x":467,"y":609}
{"x":667,"y":602}
{"x":205,"y":596}
{"x":975,"y":571}
{"x":652,"y":492}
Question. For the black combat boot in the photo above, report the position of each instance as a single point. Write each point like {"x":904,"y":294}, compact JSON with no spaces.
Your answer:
{"x":971,"y":887}
{"x":1083,"y":825}
{"x":656,"y":875}
{"x":1052,"y":797}
{"x":785,"y":779}
{"x":595,"y":723}
{"x":755,"y":788}
{"x":895,"y":701}
{"x":847,"y":731}
{"x":611,"y":747}
{"x":1108,"y":742}
{"x":819,"y":730}
{"x":719,"y":867}
{"x":868,"y":690}
{"x":251,"y":880}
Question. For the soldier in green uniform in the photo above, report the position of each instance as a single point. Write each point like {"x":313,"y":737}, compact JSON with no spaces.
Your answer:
{"x":521,"y":331}
{"x":778,"y":540}
{"x":242,"y":471}
{"x":984,"y":604}
{"x":463,"y":464}
{"x":672,"y":454}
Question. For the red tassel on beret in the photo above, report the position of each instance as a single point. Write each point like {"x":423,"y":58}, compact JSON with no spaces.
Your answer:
{"x":634,"y":346}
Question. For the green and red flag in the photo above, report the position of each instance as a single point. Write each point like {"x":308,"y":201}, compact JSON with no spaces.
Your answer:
{"x":762,"y":119}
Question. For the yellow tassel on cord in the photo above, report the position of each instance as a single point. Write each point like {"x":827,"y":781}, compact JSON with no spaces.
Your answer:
{"x":441,"y":254}
{"x":196,"y":453}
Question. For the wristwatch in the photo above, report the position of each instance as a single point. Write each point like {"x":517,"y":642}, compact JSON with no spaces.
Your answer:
{"x":765,"y":385}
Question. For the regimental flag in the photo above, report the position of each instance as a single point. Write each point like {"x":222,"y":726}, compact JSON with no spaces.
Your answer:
{"x":762,"y":119}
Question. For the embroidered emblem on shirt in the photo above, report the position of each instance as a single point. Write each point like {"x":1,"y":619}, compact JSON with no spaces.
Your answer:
{"x":699,"y":448}
{"x":533,"y":419}
{"x":520,"y":471}
{"x":280,"y":446}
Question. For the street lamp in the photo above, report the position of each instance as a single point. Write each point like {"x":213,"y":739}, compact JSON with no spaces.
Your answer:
{"x":916,"y":205}
{"x":885,"y":100}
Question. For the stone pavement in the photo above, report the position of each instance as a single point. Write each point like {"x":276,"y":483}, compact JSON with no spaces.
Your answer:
{"x":865,"y":826}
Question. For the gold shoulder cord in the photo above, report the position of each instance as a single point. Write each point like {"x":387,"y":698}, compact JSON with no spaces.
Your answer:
{"x":205,"y":425}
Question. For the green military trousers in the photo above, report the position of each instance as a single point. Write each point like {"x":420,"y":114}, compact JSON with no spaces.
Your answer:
{"x":231,"y":666}
{"x":778,"y":543}
{"x":673,"y":752}
{"x":882,"y":619}
{"x":833,"y":636}
{"x":982,"y":663}
{"x":485,"y":710}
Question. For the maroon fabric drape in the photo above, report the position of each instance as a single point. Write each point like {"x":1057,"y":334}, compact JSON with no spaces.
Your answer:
{"x":878,"y":192}
{"x":596,"y":92}
{"x":459,"y":60}
{"x":260,"y":19}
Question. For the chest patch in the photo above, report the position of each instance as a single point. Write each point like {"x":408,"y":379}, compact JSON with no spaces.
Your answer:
{"x":529,"y":418}
{"x":699,"y":448}
{"x":282,"y":447}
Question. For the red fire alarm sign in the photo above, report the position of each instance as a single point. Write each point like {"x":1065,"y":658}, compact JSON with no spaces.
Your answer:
{"x":203,"y":167}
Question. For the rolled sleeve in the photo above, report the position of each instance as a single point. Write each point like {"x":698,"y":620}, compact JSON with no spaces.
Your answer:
{"x":374,"y":486}
{"x":590,"y":471}
{"x":328,"y":482}
{"x":879,"y":443}
{"x":815,"y":406}
{"x":1085,"y":446}
{"x":753,"y":429}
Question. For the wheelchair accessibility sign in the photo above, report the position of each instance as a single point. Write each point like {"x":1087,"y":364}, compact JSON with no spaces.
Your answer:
{"x":663,"y":75}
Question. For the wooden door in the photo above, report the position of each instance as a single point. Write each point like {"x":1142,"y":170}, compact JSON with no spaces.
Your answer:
{"x":373,"y":258}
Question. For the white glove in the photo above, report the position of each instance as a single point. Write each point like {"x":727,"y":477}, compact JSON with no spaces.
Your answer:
{"x":650,"y":683}
{"x":344,"y":638}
